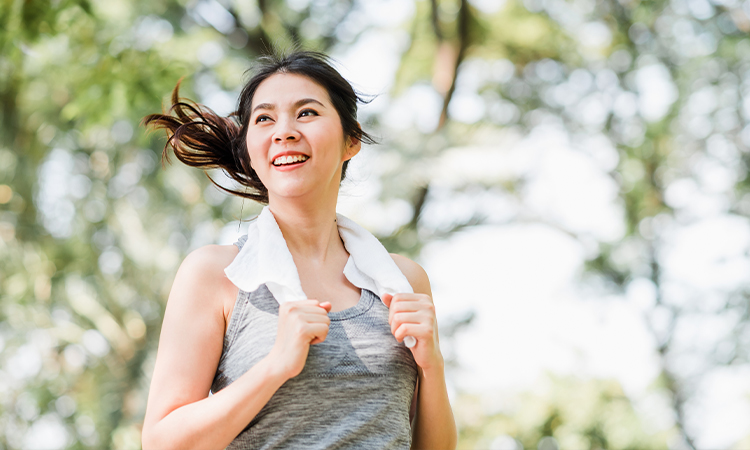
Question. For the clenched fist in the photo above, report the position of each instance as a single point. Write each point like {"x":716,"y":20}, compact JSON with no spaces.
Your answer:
{"x":301,"y":324}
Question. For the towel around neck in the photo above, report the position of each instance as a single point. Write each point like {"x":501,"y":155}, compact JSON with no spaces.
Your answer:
{"x":265,"y":259}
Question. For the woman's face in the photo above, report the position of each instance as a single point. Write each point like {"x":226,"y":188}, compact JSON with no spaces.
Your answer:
{"x":295,"y":139}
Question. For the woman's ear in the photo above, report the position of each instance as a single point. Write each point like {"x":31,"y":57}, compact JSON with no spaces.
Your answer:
{"x":353,"y":147}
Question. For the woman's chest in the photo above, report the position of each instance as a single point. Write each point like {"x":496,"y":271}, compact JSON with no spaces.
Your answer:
{"x":333,"y":288}
{"x":362,"y":345}
{"x":359,"y":342}
{"x":354,"y":391}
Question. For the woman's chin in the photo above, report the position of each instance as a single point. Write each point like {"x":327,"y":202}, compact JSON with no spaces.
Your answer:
{"x":297,"y":187}
{"x":291,"y":191}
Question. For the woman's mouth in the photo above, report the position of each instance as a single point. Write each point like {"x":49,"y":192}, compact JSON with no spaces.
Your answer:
{"x":289,"y":160}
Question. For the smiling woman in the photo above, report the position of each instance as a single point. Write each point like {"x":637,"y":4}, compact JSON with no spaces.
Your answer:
{"x":280,"y":120}
{"x":299,"y":328}
{"x":201,"y":138}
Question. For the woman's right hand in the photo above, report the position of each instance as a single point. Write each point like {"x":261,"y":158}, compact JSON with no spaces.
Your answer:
{"x":301,"y":324}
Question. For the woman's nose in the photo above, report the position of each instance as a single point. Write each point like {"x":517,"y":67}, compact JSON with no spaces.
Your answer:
{"x":285,"y":132}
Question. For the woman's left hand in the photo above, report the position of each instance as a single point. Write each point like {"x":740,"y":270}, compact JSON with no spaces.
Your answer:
{"x":414,"y":315}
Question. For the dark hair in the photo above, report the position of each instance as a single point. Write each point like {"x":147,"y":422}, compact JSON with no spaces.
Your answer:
{"x":201,"y":138}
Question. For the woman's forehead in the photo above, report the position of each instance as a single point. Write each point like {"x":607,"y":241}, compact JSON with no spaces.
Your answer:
{"x":284,"y":89}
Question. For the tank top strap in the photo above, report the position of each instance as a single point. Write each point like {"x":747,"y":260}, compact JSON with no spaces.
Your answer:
{"x":240,"y":306}
{"x":241,"y":241}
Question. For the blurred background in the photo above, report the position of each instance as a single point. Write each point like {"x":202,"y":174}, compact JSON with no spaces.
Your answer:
{"x":572,"y":174}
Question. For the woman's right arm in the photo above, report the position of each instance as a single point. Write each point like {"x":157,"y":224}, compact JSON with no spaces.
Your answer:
{"x":180,"y":414}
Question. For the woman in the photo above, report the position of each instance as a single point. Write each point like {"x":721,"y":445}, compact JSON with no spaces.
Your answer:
{"x":292,"y":339}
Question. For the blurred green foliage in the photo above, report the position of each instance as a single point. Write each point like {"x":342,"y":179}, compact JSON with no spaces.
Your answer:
{"x":593,"y":414}
{"x":92,"y":229}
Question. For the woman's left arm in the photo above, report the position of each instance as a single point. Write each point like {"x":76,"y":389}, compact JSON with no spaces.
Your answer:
{"x":414,"y":315}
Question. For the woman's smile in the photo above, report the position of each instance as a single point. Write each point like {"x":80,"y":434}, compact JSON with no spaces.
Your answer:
{"x":288,"y":162}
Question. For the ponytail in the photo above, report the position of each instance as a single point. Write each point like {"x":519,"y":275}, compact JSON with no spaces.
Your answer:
{"x":201,"y":138}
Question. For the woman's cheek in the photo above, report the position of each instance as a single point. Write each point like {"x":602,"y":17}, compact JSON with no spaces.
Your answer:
{"x":256,"y":159}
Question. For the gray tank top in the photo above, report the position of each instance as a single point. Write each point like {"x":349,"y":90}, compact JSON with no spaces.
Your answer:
{"x":355,"y":390}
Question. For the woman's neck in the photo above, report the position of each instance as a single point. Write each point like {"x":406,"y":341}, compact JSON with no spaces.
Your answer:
{"x":309,"y":228}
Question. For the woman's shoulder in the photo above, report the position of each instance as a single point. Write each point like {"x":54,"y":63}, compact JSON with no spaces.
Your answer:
{"x":414,"y":273}
{"x":205,"y":266}
{"x":211,"y":257}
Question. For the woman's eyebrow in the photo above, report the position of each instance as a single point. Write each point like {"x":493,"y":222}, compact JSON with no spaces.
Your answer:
{"x":305,"y":101}
{"x":296,"y":105}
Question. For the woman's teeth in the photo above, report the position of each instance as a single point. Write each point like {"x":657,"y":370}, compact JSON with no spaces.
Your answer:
{"x":282,"y":160}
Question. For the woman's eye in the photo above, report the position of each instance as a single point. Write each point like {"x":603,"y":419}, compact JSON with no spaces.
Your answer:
{"x":308,"y":112}
{"x":262,"y":119}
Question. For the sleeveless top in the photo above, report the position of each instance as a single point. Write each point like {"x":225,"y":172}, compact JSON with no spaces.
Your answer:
{"x":355,"y":390}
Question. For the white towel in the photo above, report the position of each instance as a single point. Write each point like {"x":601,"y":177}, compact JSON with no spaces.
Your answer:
{"x":265,"y":259}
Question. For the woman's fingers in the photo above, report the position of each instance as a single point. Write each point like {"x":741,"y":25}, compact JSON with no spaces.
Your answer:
{"x":418,"y":330}
{"x":401,"y":303}
{"x":315,"y":317}
{"x":310,"y":320}
{"x":318,"y":331}
{"x":411,"y":315}
{"x":306,"y":319}
{"x":310,"y":306}
{"x":406,"y":302}
{"x":417,"y":317}
{"x":301,"y":324}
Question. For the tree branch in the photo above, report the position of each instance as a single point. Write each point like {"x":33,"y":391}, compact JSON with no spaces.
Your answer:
{"x":436,"y":20}
{"x":464,"y":17}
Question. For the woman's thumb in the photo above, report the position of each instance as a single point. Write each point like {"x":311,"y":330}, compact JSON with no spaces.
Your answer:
{"x":387,"y":299}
